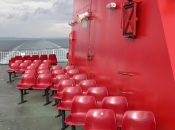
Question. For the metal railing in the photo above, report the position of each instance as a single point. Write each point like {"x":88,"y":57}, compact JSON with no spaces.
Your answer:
{"x":60,"y":54}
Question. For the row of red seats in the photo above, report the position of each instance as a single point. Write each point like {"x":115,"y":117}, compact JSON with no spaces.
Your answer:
{"x":51,"y":57}
{"x":112,"y":114}
{"x":20,"y":66}
{"x":79,"y":105}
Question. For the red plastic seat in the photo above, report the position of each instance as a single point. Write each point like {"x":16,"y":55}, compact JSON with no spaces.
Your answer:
{"x":79,"y":77}
{"x":59,"y":87}
{"x":43,"y":67}
{"x":47,"y":61}
{"x":72,"y":72}
{"x":44,"y":81}
{"x":19,"y":61}
{"x":68,"y":67}
{"x":14,"y":67}
{"x":100,"y":119}
{"x":55,"y":73}
{"x":27,"y":81}
{"x":86,"y":84}
{"x":33,"y":66}
{"x":18,"y":58}
{"x":65,"y":105}
{"x":99,"y":93}
{"x":56,"y":68}
{"x":60,"y":77}
{"x":118,"y":104}
{"x":22,"y":68}
{"x":53,"y":59}
{"x":28,"y":62}
{"x":80,"y":106}
{"x":12,"y":60}
{"x":46,"y":71}
{"x":43,"y":57}
{"x":31,"y":71}
{"x":26,"y":57}
{"x":34,"y":57}
{"x":138,"y":120}
{"x":37,"y":61}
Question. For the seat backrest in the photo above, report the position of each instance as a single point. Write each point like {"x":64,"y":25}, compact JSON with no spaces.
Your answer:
{"x":14,"y":66}
{"x":23,"y":66}
{"x":53,"y":58}
{"x":37,"y":61}
{"x":72,"y":72}
{"x":46,"y":63}
{"x":70,"y":92}
{"x":100,"y":119}
{"x":18,"y":58}
{"x":26,"y":57}
{"x":82,"y":104}
{"x":42,"y":67}
{"x":46,"y":71}
{"x":57,"y":67}
{"x":43,"y":57}
{"x":32,"y":72}
{"x":138,"y":120}
{"x":33,"y":66}
{"x":68,"y":67}
{"x":44,"y":79}
{"x":27,"y":79}
{"x":19,"y":61}
{"x":79,"y":77}
{"x":118,"y":104}
{"x":99,"y":93}
{"x":56,"y":72}
{"x":34,"y":57}
{"x":12,"y":60}
{"x":28,"y":61}
{"x":60,"y":77}
{"x":65,"y":83}
{"x":86,"y":84}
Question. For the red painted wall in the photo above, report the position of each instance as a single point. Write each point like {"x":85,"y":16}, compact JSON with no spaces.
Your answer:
{"x":149,"y":57}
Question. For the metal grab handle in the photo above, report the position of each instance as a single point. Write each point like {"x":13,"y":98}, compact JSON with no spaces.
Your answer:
{"x":125,"y":73}
{"x":122,"y":92}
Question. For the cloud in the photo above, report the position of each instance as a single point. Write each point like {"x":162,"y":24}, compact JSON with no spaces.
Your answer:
{"x":46,"y":17}
{"x":25,"y":16}
{"x":42,"y":11}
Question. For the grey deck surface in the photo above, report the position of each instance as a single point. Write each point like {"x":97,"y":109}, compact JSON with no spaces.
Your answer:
{"x":31,"y":115}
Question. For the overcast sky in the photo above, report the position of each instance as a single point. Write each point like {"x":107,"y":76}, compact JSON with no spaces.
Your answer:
{"x":35,"y":18}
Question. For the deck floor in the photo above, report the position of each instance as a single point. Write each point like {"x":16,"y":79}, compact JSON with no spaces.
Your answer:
{"x":31,"y":115}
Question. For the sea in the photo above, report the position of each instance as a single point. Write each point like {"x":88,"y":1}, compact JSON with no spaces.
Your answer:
{"x":8,"y":44}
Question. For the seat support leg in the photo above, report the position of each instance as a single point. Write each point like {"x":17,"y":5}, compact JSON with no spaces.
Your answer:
{"x":64,"y":126}
{"x":59,"y":114}
{"x":15,"y":75}
{"x":73,"y":127}
{"x":47,"y":97}
{"x":56,"y":102}
{"x":22,"y":97}
{"x":10,"y":79}
{"x":24,"y":93}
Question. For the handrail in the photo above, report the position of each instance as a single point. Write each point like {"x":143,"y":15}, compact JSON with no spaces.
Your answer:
{"x":60,"y":54}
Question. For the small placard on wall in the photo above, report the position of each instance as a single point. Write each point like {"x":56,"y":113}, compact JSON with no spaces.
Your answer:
{"x":85,"y":24}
